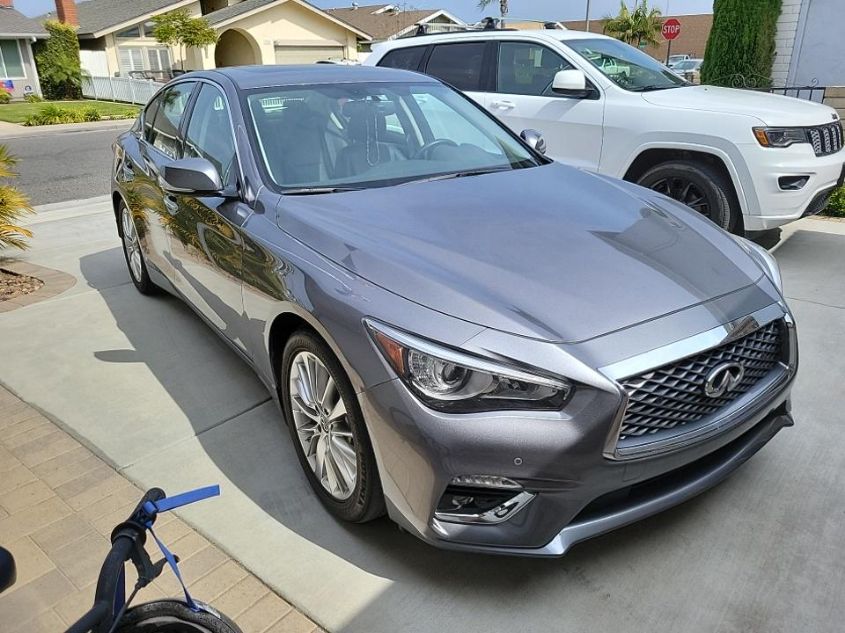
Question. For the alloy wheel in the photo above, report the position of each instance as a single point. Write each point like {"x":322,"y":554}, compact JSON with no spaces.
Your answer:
{"x":322,"y":425}
{"x":132,"y":245}
{"x":683,"y":190}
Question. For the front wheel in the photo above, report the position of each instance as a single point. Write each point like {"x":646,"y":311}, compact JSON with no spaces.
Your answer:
{"x":328,"y":430}
{"x":698,"y":185}
{"x":173,"y":616}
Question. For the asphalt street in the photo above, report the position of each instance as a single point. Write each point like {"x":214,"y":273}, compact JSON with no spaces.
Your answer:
{"x":56,"y":166}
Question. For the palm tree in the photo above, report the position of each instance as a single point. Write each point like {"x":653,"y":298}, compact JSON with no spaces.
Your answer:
{"x":13,"y":204}
{"x":639,"y":27}
{"x":503,"y":6}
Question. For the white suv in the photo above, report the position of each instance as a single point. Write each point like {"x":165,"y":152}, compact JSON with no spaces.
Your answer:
{"x":748,"y":160}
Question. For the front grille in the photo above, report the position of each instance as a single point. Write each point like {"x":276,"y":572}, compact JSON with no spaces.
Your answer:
{"x":826,"y":139}
{"x":671,"y":399}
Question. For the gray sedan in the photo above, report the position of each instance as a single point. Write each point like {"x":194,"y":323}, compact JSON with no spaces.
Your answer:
{"x":500,"y":352}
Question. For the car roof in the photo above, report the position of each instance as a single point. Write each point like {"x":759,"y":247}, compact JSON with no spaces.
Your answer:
{"x":452,"y":36}
{"x":247,"y":77}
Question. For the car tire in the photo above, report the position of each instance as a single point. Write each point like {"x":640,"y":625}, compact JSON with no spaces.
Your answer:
{"x":700,"y":186}
{"x":327,"y":430}
{"x":133,"y":253}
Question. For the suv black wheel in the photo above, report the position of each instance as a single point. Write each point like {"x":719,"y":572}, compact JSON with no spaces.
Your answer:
{"x":328,"y":430}
{"x":698,"y":185}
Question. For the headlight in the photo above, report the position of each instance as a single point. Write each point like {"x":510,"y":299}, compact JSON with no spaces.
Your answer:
{"x":764,"y":258}
{"x":449,"y":380}
{"x":780,"y":136}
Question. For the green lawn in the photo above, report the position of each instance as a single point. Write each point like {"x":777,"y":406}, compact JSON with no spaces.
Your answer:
{"x":17,"y":112}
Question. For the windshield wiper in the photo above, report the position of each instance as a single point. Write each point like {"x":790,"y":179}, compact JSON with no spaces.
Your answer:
{"x":656,"y":87}
{"x":461,"y":174}
{"x":313,"y":191}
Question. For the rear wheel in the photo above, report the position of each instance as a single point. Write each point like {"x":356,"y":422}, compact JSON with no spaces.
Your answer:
{"x":133,"y":253}
{"x":698,"y":185}
{"x":328,"y":430}
{"x":173,"y":616}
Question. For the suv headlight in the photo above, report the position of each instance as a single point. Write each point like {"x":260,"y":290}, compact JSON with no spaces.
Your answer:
{"x":455,"y":382}
{"x":780,"y":136}
{"x":765,"y":260}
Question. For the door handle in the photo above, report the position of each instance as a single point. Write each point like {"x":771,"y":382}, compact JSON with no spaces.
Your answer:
{"x":171,"y":204}
{"x":503,"y":105}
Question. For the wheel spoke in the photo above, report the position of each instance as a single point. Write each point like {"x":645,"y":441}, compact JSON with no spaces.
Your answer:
{"x":328,"y":392}
{"x":338,"y":411}
{"x":306,"y":409}
{"x":303,"y":386}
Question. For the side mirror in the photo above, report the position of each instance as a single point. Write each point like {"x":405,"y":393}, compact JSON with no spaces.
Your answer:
{"x":192,"y":176}
{"x":570,"y":83}
{"x":8,"y":571}
{"x":534,"y":139}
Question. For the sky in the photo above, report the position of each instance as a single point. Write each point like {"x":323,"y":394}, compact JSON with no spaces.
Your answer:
{"x":468,"y":10}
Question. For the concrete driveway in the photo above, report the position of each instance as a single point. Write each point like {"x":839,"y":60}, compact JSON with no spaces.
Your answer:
{"x":144,"y":382}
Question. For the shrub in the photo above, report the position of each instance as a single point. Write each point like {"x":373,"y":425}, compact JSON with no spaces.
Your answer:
{"x":741,"y":46}
{"x":13,"y":205}
{"x":5,"y":97}
{"x":52,"y":114}
{"x":836,"y":204}
{"x":57,"y":60}
{"x":33,"y":98}
{"x":90,"y":114}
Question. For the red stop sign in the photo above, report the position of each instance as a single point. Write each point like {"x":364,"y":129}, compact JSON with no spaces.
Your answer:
{"x":671,"y":28}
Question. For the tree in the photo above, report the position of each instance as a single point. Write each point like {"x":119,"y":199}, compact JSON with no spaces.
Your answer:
{"x":640,"y":27}
{"x":503,"y":6}
{"x":741,"y":47}
{"x":57,"y":60}
{"x":178,"y":28}
{"x":13,"y":204}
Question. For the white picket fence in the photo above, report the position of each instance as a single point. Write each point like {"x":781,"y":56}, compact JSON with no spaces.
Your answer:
{"x":119,"y":89}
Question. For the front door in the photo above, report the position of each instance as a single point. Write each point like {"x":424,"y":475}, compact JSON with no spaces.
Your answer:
{"x":572,"y":128}
{"x":205,"y":236}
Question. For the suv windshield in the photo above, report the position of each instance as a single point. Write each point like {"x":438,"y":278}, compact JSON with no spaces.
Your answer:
{"x":333,"y":137}
{"x":626,"y":66}
{"x":689,"y":64}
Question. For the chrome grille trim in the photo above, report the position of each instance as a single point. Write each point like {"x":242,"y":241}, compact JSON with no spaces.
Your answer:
{"x":826,"y":139}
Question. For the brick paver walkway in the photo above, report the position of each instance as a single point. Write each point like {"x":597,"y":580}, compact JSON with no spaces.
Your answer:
{"x":58,"y":504}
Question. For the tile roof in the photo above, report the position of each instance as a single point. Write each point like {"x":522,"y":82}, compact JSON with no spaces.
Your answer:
{"x":13,"y":22}
{"x":380,"y":26}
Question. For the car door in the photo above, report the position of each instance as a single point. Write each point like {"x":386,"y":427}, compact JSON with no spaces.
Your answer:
{"x":463,"y":65}
{"x":157,"y":146}
{"x":523,"y":98}
{"x":205,"y":236}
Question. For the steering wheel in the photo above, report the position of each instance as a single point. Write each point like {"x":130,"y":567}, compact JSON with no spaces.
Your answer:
{"x":425,"y":149}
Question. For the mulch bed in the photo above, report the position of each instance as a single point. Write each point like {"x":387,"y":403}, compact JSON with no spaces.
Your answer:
{"x":14,"y":285}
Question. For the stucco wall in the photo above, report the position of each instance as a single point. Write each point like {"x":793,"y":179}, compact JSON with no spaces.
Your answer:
{"x":818,"y":51}
{"x":785,"y":40}
{"x":30,"y":77}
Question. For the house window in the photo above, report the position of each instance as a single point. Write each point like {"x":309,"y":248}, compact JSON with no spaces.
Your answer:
{"x":11,"y":64}
{"x":131,"y":59}
{"x":131,"y":32}
{"x":139,"y":59}
{"x":159,"y":59}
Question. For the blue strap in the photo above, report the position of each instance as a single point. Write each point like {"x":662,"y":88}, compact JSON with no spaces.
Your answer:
{"x":152,"y":508}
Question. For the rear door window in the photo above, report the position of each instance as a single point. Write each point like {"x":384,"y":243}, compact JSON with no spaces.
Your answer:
{"x":404,"y":58}
{"x":458,"y":64}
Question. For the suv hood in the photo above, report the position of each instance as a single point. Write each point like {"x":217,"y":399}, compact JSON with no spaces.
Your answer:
{"x":770,"y":109}
{"x":548,"y":252}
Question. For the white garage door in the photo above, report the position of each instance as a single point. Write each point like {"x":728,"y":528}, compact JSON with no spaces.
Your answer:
{"x":306,"y":54}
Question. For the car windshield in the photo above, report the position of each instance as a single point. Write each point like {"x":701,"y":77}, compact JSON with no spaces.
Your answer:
{"x":330,"y":137}
{"x":689,"y":64}
{"x":626,"y":66}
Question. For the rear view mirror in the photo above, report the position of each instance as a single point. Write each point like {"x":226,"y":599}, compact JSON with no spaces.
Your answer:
{"x":534,"y":139}
{"x":8,"y":571}
{"x":570,"y":83}
{"x":192,"y":176}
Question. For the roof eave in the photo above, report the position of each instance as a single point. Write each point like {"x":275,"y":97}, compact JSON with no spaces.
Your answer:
{"x":142,"y":17}
{"x":339,"y":22}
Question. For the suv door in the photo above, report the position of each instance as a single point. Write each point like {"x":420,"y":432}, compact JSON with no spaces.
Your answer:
{"x":463,"y":65}
{"x":523,"y":98}
{"x":206,"y":238}
{"x":160,"y":144}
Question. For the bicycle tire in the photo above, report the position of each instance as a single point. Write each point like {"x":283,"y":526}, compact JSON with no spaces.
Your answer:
{"x":174,"y":616}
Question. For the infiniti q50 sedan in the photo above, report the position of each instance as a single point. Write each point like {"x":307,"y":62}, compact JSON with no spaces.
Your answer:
{"x":502,"y":353}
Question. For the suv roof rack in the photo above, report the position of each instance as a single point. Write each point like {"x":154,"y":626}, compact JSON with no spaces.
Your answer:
{"x":485,"y":24}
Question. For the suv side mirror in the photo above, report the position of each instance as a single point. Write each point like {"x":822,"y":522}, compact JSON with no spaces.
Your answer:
{"x":8,"y":571}
{"x":570,"y":83}
{"x":192,"y":176}
{"x":534,"y":139}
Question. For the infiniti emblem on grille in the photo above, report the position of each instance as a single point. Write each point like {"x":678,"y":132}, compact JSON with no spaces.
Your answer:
{"x":724,"y":378}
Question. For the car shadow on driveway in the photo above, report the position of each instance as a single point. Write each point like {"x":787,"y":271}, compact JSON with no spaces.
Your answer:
{"x":253,"y":450}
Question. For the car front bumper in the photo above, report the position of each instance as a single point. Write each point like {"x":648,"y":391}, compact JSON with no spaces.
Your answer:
{"x":559,"y":457}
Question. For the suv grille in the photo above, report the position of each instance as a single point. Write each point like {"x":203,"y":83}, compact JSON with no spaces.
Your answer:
{"x":664,"y":399}
{"x":826,"y":139}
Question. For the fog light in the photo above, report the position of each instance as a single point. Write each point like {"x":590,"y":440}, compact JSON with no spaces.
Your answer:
{"x":482,"y":500}
{"x":485,"y":481}
{"x":792,"y":183}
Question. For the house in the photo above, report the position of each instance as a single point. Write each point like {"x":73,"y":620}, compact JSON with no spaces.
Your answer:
{"x":695,"y":30}
{"x":808,"y":44}
{"x":115,"y":36}
{"x":389,"y":21}
{"x":17,"y":62}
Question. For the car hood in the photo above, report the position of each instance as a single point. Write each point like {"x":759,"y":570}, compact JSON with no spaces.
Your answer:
{"x":768,"y":108}
{"x":549,"y":252}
